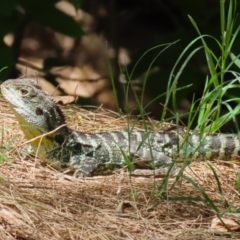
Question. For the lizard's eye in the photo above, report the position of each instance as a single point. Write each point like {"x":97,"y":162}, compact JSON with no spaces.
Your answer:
{"x":23,"y":92}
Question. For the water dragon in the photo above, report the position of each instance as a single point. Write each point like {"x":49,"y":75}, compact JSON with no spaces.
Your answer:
{"x":144,"y":152}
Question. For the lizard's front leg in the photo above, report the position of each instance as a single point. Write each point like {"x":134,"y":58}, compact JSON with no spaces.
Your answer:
{"x":83,"y":158}
{"x":84,"y":165}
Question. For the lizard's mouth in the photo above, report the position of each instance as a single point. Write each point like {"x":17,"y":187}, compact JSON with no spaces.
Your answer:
{"x":9,"y":94}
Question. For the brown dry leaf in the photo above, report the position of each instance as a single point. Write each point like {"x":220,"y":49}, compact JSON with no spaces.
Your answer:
{"x":83,"y":82}
{"x":64,"y":100}
{"x":230,"y":225}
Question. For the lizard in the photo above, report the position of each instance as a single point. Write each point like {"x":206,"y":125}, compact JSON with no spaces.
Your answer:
{"x":145,"y":153}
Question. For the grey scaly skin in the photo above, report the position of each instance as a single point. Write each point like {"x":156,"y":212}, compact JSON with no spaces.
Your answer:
{"x":88,"y":154}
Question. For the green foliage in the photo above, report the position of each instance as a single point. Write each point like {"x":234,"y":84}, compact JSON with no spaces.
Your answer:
{"x":208,"y":111}
{"x":76,"y":3}
{"x":45,"y":13}
{"x":238,"y":182}
{"x":217,"y":93}
{"x":191,"y":67}
{"x":14,"y":14}
{"x":216,"y":87}
{"x":4,"y":148}
{"x":7,"y":7}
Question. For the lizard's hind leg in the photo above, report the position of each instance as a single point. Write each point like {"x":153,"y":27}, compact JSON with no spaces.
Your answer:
{"x":160,"y":166}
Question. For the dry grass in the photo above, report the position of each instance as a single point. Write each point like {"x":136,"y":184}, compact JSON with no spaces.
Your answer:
{"x":37,"y":202}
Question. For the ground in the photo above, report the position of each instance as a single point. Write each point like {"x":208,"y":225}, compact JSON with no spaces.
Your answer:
{"x":37,"y":202}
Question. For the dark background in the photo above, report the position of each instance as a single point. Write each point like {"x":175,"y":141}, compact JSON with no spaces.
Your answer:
{"x":104,"y":40}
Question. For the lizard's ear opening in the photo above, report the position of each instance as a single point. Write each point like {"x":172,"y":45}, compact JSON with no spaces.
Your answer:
{"x":39,"y":112}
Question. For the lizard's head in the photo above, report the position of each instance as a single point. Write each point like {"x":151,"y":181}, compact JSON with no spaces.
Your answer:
{"x":34,"y":108}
